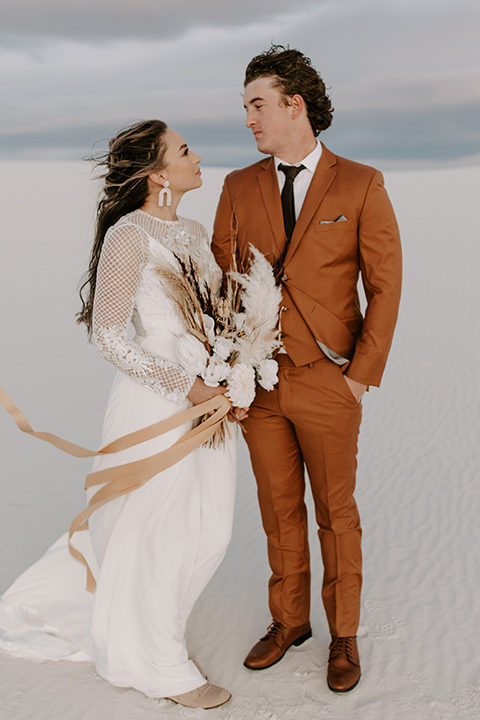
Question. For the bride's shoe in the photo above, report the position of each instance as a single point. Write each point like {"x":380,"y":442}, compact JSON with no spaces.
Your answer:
{"x":206,"y":696}
{"x":198,"y":666}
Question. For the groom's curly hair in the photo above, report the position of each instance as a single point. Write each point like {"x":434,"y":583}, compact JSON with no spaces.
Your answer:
{"x":294,"y":75}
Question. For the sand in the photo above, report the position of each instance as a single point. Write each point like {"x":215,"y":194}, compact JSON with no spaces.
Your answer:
{"x":417,"y":480}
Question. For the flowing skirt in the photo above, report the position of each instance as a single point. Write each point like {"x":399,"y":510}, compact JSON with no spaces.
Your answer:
{"x":152,"y":553}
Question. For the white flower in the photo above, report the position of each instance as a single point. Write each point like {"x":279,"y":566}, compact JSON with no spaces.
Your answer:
{"x":223,"y":347}
{"x":267,"y":373}
{"x":240,"y":319}
{"x":215,"y":372}
{"x":241,"y":385}
{"x":209,"y":325}
{"x":192,"y":354}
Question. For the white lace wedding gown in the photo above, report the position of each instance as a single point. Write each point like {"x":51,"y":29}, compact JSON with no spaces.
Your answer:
{"x":154,"y":550}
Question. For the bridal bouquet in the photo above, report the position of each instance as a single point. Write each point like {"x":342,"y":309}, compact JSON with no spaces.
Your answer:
{"x":232,"y":333}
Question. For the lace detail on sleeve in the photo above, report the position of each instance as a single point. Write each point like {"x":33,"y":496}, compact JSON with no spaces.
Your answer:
{"x":123,"y":257}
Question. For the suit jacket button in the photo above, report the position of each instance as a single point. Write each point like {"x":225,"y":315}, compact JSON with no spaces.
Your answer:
{"x":284,"y":278}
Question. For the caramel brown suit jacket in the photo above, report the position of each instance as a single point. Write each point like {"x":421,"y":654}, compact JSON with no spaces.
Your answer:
{"x":346,"y":227}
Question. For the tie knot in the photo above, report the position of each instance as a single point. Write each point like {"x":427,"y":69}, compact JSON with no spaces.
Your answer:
{"x":291,"y":171}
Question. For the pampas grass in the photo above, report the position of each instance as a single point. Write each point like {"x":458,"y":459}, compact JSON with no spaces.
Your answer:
{"x":244,"y":312}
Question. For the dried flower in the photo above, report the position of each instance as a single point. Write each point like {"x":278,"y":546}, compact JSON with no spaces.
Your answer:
{"x":267,"y":373}
{"x":209,"y":326}
{"x":192,"y":354}
{"x":241,"y":385}
{"x":232,"y":334}
{"x":216,"y":372}
{"x":223,"y":347}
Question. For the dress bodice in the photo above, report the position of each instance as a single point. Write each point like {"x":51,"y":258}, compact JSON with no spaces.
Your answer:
{"x":128,"y":288}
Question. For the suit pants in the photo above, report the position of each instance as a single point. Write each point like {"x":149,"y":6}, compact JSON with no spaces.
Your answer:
{"x":311,"y":419}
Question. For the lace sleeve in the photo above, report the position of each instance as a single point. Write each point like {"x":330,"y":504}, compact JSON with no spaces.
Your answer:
{"x":118,"y":275}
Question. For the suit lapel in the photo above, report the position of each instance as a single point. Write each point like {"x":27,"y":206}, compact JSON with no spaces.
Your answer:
{"x":267,"y":179}
{"x":321,"y":181}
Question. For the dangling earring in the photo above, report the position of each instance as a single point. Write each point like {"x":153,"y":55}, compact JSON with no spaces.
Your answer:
{"x":165,"y":194}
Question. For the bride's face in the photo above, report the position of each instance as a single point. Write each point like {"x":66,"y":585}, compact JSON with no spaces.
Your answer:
{"x":181,"y":164}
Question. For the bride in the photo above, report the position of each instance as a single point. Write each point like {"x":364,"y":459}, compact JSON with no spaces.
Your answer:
{"x":152,"y":551}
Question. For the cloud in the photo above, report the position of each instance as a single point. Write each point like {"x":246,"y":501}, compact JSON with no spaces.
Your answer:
{"x":92,"y":20}
{"x":452,"y":133}
{"x":404,"y":75}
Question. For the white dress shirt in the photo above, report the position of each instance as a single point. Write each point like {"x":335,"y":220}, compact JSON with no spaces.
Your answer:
{"x":303,"y":179}
{"x":300,"y":188}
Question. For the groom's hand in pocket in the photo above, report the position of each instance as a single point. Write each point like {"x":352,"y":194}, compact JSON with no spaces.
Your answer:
{"x":357,"y":389}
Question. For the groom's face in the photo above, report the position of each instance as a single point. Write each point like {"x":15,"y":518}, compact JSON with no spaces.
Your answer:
{"x":268,"y":116}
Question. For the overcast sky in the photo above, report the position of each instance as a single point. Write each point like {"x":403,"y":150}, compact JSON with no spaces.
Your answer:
{"x":404,"y":75}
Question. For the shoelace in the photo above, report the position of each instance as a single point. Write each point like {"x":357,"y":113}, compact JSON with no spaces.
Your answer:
{"x":342,"y":646}
{"x":273,"y":630}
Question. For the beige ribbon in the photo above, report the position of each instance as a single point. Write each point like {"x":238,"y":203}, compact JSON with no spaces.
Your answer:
{"x":123,"y":479}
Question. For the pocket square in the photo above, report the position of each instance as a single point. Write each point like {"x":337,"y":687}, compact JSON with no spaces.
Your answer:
{"x":340,"y":218}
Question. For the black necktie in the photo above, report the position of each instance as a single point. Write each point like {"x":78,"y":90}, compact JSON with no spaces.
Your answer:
{"x":288,"y":202}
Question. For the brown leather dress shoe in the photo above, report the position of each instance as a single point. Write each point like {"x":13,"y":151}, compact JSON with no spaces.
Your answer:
{"x":343,"y":664}
{"x":275,"y":643}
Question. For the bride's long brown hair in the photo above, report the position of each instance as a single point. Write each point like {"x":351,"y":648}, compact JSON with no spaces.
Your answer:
{"x":132,"y":156}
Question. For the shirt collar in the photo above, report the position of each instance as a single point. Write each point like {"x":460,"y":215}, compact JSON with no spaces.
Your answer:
{"x":310,"y":162}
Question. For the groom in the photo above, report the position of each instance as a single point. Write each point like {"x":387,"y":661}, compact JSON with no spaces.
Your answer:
{"x":322,"y":221}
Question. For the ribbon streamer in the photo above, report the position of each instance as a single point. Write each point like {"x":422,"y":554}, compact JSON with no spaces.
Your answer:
{"x":122,"y":479}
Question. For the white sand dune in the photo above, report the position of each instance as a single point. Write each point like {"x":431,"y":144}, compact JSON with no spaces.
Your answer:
{"x":417,"y":480}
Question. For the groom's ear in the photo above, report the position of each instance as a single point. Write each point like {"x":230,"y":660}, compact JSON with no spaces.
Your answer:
{"x":297,"y":103}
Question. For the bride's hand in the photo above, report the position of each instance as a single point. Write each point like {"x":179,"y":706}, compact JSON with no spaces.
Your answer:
{"x":240,"y":413}
{"x":237,"y":414}
{"x":199,"y":392}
